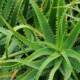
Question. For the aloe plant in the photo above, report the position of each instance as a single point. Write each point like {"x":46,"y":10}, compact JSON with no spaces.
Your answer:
{"x":41,"y":45}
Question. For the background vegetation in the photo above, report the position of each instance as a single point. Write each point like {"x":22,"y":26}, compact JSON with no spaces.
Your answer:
{"x":39,"y":40}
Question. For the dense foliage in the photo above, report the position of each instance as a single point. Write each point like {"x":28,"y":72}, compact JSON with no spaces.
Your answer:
{"x":39,"y":40}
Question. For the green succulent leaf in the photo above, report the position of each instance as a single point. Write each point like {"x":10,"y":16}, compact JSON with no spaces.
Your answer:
{"x":45,"y":28}
{"x":54,"y":69}
{"x":69,"y":42}
{"x":60,"y":23}
{"x":45,"y":63}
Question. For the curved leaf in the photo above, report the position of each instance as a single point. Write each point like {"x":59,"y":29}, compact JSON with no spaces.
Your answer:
{"x":55,"y":68}
{"x":45,"y":63}
{"x":43,"y":23}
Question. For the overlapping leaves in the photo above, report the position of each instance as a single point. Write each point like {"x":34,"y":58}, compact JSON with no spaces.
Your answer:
{"x":44,"y":52}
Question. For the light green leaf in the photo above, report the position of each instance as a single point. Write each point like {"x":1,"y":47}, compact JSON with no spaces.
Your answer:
{"x":76,"y":56}
{"x":68,"y":67}
{"x":28,"y":75}
{"x":45,"y":28}
{"x":55,"y":68}
{"x":19,"y":36}
{"x":69,"y":42}
{"x":45,"y":63}
{"x":38,"y":53}
{"x":60,"y":24}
